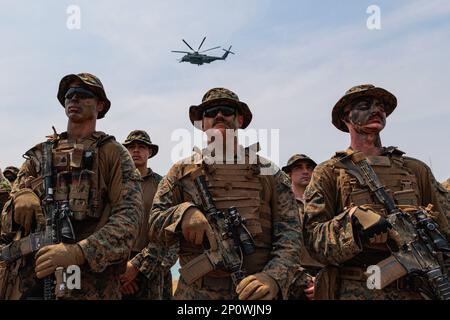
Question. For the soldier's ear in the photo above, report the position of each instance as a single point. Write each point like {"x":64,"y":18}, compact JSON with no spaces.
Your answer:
{"x":100,"y":106}
{"x":240,"y":119}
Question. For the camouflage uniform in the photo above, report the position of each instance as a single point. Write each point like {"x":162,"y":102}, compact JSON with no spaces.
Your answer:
{"x":333,"y":193}
{"x":153,"y":261}
{"x":10,"y":173}
{"x":106,"y":203}
{"x":444,"y":196}
{"x":5,"y":189}
{"x":309,"y":267}
{"x":265,"y":201}
{"x":154,"y":278}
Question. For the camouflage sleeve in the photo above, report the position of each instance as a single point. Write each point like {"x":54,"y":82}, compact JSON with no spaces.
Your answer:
{"x":149,"y":260}
{"x":167,"y":210}
{"x":5,"y":186}
{"x":328,"y":234}
{"x":286,"y":235}
{"x":432,"y":192}
{"x":112,"y":243}
{"x":27,"y":178}
{"x":5,"y":189}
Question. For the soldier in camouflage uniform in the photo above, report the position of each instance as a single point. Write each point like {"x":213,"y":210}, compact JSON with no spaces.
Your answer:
{"x":263,"y":197}
{"x":5,"y":189}
{"x":96,"y":177}
{"x":148,"y":274}
{"x":299,"y":168}
{"x":344,"y":225}
{"x":10,"y":173}
{"x":445,"y":197}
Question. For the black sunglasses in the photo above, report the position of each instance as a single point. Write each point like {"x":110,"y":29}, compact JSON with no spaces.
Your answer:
{"x":80,"y":92}
{"x":225,"y":110}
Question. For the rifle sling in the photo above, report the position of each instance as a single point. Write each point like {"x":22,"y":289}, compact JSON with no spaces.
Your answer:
{"x":355,"y":169}
{"x":22,"y":247}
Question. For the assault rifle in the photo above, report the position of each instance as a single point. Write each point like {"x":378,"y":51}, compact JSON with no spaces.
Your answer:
{"x":58,"y":227}
{"x":420,"y":248}
{"x":232,"y":237}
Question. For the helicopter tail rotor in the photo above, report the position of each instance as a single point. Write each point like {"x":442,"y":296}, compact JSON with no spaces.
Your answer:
{"x":225,"y":55}
{"x":229,"y":50}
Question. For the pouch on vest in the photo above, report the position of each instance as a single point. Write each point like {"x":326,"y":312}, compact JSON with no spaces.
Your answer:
{"x":76,"y":179}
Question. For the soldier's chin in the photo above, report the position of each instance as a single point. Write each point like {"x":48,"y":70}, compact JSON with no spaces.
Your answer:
{"x":220,"y":126}
{"x":75,"y":117}
{"x":371,"y":128}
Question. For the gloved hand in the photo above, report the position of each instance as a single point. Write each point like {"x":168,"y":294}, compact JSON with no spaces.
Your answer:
{"x":57,"y":255}
{"x":259,"y":286}
{"x":27,"y":207}
{"x":194,"y":225}
{"x":372,"y":228}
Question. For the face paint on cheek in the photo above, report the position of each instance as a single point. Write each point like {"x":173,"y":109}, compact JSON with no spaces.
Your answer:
{"x":360,"y":117}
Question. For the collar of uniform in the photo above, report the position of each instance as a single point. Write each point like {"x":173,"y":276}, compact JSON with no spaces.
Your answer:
{"x":384,"y":151}
{"x":391,"y":151}
{"x":204,"y":155}
{"x":149,"y":174}
{"x":93,"y":137}
{"x":344,"y":153}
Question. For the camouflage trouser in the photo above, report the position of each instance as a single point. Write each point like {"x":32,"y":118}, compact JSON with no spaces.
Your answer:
{"x":207,"y":288}
{"x":157,"y":287}
{"x":357,"y":290}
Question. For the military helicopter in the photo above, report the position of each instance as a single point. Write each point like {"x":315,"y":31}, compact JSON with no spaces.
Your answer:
{"x":196,"y":56}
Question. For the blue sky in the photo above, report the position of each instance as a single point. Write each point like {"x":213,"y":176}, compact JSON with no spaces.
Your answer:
{"x":294,"y":60}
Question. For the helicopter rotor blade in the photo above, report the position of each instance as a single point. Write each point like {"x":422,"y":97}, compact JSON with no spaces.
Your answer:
{"x":209,"y":49}
{"x":201,"y":44}
{"x":181,"y":52}
{"x":229,"y":50}
{"x":188,"y":45}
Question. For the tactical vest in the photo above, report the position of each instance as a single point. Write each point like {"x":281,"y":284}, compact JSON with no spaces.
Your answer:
{"x":75,"y":175}
{"x":241,"y":186}
{"x":399,"y":182}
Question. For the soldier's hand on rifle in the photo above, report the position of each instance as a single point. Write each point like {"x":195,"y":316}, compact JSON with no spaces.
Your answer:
{"x":194,"y":226}
{"x":371,"y":227}
{"x":259,"y":286}
{"x":57,"y":255}
{"x":27,"y":207}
